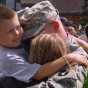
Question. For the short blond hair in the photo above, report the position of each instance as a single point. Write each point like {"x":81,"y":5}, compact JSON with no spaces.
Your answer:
{"x":46,"y":47}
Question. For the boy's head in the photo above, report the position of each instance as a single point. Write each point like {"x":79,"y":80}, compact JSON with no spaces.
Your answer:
{"x":10,"y":29}
{"x":46,"y":47}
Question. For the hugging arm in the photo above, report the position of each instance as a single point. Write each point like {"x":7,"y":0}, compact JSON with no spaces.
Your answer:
{"x":50,"y":68}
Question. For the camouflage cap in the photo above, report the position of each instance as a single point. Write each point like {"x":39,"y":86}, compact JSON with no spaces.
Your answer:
{"x":36,"y":17}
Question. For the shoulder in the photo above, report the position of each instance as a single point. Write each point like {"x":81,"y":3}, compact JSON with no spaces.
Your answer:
{"x":13,"y":64}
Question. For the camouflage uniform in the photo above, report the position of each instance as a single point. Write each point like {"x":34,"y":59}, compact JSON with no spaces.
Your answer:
{"x":38,"y":15}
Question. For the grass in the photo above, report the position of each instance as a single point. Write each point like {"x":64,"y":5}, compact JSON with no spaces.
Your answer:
{"x":86,"y":83}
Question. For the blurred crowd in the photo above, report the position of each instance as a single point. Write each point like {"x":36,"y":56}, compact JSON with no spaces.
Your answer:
{"x":75,"y":28}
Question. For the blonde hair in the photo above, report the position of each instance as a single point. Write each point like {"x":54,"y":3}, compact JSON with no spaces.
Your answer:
{"x":46,"y":47}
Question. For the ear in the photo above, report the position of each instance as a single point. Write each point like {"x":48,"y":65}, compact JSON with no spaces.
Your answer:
{"x":55,"y":24}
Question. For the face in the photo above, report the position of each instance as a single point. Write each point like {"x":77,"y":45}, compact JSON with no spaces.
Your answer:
{"x":71,"y":30}
{"x":10,"y":32}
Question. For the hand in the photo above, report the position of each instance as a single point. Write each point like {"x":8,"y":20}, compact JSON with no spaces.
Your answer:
{"x":76,"y":58}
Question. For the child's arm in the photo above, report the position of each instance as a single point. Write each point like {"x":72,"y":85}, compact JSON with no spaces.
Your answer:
{"x":50,"y":68}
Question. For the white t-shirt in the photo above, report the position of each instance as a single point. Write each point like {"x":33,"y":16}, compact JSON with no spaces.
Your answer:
{"x":13,"y":63}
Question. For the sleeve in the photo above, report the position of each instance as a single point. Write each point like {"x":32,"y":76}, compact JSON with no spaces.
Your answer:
{"x":82,"y":52}
{"x":18,"y":68}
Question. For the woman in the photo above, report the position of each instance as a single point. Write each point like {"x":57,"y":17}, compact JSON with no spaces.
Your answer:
{"x":47,"y":48}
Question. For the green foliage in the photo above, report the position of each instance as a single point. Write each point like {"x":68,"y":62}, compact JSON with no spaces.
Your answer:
{"x":86,"y":83}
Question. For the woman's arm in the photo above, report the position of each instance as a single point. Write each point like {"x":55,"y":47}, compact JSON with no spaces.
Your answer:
{"x":49,"y":68}
{"x":52,"y":67}
{"x":77,"y":58}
